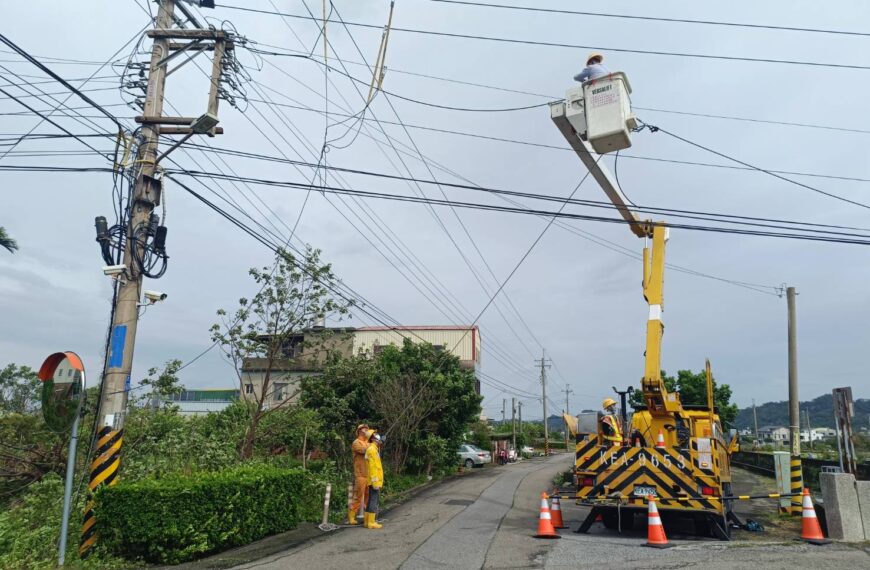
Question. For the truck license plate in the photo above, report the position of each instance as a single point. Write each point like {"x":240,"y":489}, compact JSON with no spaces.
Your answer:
{"x":640,"y":491}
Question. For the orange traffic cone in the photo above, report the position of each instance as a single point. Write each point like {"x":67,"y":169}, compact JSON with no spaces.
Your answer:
{"x":545,"y":524}
{"x":811,"y":531}
{"x":660,"y":440}
{"x":556,"y":512}
{"x":637,"y":442}
{"x":655,"y":531}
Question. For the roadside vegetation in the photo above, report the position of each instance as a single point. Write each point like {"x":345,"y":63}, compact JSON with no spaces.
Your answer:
{"x":190,"y":486}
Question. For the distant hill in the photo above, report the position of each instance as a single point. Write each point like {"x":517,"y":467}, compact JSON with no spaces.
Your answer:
{"x":821,"y":412}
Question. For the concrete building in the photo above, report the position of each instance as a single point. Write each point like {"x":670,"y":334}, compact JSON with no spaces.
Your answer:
{"x":818,"y":434}
{"x":775,"y":434}
{"x":198,"y":402}
{"x":305,"y":353}
{"x":461,"y":341}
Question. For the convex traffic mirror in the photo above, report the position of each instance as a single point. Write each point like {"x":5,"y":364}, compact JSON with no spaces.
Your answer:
{"x":63,"y":388}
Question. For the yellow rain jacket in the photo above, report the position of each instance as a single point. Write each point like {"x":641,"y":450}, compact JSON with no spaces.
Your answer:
{"x":376,"y":470}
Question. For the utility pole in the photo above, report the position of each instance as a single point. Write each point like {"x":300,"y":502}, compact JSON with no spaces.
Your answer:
{"x":794,"y":404}
{"x":503,"y":406}
{"x":520,"y":417}
{"x":567,"y":391}
{"x":146,"y":196}
{"x":755,"y":417}
{"x":514,"y":423}
{"x":543,"y":361}
{"x":809,"y":429}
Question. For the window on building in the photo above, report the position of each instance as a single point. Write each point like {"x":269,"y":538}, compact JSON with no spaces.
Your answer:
{"x":249,"y":388}
{"x":279,"y":391}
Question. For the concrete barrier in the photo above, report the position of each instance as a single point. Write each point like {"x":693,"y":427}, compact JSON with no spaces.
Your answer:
{"x":863,"y":489}
{"x":842,"y":512}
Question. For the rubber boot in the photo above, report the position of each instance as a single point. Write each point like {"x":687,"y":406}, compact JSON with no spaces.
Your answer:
{"x":370,"y":521}
{"x":351,"y":517}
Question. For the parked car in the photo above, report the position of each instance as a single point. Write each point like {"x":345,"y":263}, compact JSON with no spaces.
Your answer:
{"x":473,"y":456}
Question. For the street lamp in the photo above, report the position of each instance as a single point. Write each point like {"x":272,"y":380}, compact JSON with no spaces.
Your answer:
{"x":199,"y":126}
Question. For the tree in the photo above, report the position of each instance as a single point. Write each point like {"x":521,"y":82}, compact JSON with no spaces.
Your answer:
{"x":19,"y":389}
{"x":294,"y":294}
{"x":7,"y":242}
{"x":163,"y":383}
{"x":420,"y":398}
{"x":692,"y":387}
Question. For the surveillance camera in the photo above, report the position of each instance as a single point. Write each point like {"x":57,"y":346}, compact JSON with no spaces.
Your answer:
{"x":114,"y":270}
{"x":154,"y":296}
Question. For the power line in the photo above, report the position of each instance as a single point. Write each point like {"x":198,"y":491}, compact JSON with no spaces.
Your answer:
{"x":653,"y":19}
{"x":567,"y":45}
{"x":836,"y":237}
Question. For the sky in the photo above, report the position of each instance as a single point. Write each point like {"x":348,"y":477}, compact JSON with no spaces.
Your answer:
{"x":576,"y":298}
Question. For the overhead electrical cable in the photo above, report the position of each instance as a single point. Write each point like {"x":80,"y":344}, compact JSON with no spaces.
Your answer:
{"x":569,"y":45}
{"x":652,"y":18}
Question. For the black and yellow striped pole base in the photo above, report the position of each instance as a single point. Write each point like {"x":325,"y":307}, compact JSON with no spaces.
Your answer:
{"x":104,"y":471}
{"x":797,"y":485}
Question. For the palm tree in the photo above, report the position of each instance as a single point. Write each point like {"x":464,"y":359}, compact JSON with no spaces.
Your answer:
{"x":7,"y":242}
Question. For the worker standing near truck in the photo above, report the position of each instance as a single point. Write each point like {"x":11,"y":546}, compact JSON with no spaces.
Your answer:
{"x":360,"y":472}
{"x":594,"y":68}
{"x":611,"y":429}
{"x":376,"y":478}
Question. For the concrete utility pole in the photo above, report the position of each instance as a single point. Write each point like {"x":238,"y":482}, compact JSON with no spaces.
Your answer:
{"x":755,"y":417}
{"x":146,"y":196}
{"x":520,"y":417}
{"x":514,"y":423}
{"x":503,"y":407}
{"x":567,"y":391}
{"x":544,"y":366}
{"x":809,"y":429}
{"x":794,"y":413}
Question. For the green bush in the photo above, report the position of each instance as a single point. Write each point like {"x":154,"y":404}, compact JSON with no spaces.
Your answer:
{"x":175,"y":519}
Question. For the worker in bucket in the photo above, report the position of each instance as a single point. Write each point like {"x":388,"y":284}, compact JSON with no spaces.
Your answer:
{"x":360,"y":472}
{"x":610,"y":428}
{"x":594,"y":68}
{"x":376,"y":478}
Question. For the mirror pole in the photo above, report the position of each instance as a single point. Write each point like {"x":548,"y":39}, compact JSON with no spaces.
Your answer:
{"x":67,"y":490}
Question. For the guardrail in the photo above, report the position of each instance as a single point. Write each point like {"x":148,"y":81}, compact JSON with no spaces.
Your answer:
{"x":763,"y":463}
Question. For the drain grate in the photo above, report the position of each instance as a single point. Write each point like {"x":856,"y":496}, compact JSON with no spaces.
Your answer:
{"x":459,"y":502}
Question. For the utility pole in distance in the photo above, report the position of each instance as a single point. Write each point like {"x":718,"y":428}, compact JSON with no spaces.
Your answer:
{"x":503,"y":406}
{"x":809,"y":429}
{"x":794,"y":417}
{"x":543,"y":362}
{"x":567,"y":391}
{"x":755,"y":417}
{"x":520,"y":416}
{"x":514,"y":424}
{"x":146,"y":195}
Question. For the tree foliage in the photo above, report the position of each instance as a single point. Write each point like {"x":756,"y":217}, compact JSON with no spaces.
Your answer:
{"x":692,"y":387}
{"x":293,"y":295}
{"x":7,"y":242}
{"x":19,"y":389}
{"x":420,"y":398}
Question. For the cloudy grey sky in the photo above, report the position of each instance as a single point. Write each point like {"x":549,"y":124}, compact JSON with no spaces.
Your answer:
{"x":581,"y":301}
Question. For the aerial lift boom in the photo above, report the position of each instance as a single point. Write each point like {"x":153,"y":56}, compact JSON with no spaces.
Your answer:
{"x":659,"y":401}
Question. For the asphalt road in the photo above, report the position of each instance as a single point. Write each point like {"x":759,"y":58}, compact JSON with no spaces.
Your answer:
{"x":487,"y":519}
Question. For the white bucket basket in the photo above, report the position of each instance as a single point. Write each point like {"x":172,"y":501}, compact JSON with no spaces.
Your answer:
{"x":600,"y":112}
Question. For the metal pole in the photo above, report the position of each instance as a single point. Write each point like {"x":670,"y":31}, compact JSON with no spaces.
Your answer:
{"x":567,"y":411}
{"x":67,"y":491}
{"x":794,"y":403}
{"x":520,"y":415}
{"x":503,"y":407}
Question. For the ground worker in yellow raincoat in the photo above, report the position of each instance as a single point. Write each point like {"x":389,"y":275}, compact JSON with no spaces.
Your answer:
{"x":360,"y":472}
{"x":376,"y":478}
